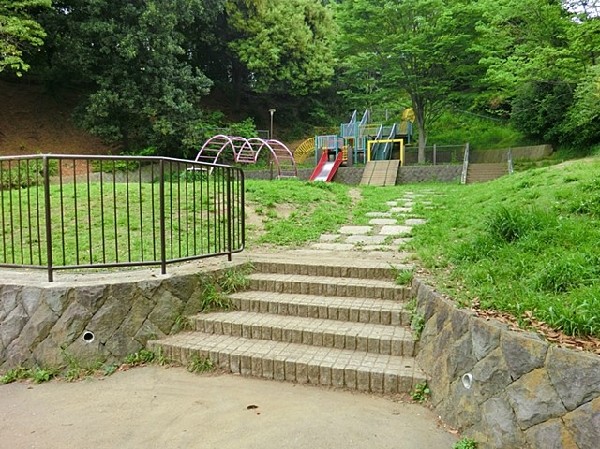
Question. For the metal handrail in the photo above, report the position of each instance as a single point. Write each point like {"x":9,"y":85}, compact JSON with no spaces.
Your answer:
{"x":61,"y":212}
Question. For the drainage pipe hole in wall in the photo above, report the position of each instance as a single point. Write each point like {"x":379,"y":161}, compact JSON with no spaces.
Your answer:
{"x":88,"y":337}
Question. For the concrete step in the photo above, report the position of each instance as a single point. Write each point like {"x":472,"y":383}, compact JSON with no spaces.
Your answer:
{"x":360,"y":269}
{"x":486,"y":172}
{"x":327,"y":286}
{"x":371,"y":338}
{"x":293,"y":362}
{"x":353,"y":309}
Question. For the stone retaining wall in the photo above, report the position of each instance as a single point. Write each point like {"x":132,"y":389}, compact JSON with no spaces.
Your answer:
{"x":519,"y":153}
{"x":353,"y":175}
{"x":525,"y":392}
{"x":41,"y":325}
{"x":428,"y":173}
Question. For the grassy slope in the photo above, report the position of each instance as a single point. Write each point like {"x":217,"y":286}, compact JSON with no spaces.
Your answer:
{"x":317,"y":208}
{"x":525,"y":244}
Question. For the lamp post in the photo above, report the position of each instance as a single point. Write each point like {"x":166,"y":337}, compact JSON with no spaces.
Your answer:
{"x":271,"y":111}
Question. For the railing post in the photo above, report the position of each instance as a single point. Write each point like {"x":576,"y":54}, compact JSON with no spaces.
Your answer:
{"x":434,"y":153}
{"x":463,"y":177}
{"x":229,"y":214}
{"x":48,"y":215}
{"x":161,"y":199}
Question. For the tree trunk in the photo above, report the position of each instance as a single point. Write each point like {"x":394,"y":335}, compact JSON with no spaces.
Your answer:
{"x":419,"y":110}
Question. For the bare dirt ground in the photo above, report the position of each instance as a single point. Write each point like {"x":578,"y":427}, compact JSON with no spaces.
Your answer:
{"x":157,"y":407}
{"x":33,"y":121}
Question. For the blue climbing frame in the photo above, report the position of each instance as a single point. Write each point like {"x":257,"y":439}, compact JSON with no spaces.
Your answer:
{"x":354,"y":135}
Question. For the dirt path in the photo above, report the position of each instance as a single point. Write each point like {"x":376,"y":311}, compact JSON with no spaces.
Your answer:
{"x":156,"y":407}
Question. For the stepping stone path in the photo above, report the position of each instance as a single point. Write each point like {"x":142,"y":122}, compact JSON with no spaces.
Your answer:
{"x":387,"y":231}
{"x":330,"y":314}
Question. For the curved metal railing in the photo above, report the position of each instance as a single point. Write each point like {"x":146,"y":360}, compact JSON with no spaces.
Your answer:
{"x":60,"y":212}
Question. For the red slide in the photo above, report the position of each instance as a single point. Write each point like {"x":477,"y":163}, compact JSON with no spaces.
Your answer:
{"x":325,"y":170}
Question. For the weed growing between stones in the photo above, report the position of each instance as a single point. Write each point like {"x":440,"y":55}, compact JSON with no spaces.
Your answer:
{"x":417,"y":323}
{"x":404,"y":276}
{"x":214,"y":290}
{"x":37,"y":375}
{"x":75,"y":371}
{"x":14,"y":375}
{"x":465,"y":443}
{"x":200,"y":365}
{"x":142,"y":357}
{"x":421,"y":393}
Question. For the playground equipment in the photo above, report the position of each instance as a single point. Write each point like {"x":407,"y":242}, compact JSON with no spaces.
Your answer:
{"x":354,"y":136}
{"x":325,"y":169}
{"x":247,"y":151}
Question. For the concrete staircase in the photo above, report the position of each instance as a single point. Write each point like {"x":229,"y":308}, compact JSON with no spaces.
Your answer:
{"x":486,"y":172}
{"x":302,"y":322}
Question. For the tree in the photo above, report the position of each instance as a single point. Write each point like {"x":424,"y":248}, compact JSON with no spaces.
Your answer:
{"x":421,"y":47}
{"x":18,"y":31}
{"x":285,"y":45}
{"x":537,"y":56}
{"x":129,"y":55}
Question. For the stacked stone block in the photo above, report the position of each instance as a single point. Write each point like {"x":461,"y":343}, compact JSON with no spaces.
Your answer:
{"x":525,"y":392}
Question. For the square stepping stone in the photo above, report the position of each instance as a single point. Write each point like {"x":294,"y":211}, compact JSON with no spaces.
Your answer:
{"x":401,"y":210}
{"x":329,"y":237}
{"x":378,"y":214}
{"x":378,"y":248}
{"x":333,"y":246}
{"x":366,"y":239}
{"x":356,"y":230}
{"x":391,"y":203}
{"x":395,"y":230}
{"x":409,"y":204}
{"x":415,"y":221}
{"x":383,"y":221}
{"x":401,"y":241}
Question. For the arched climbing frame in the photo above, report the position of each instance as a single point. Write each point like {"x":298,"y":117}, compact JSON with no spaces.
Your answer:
{"x":246,"y":151}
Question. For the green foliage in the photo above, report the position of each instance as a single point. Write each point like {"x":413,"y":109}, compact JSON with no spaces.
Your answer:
{"x":142,"y":357}
{"x":457,"y":128}
{"x":41,"y":375}
{"x":535,"y":54}
{"x":285,"y":45}
{"x":421,"y":393}
{"x":19,"y":32}
{"x":145,"y":92}
{"x":538,"y":109}
{"x":211,"y":124}
{"x":37,"y":375}
{"x":214,"y":290}
{"x":465,"y":443}
{"x":420,"y":47}
{"x":14,"y":375}
{"x":404,"y":276}
{"x":417,"y":324}
{"x":200,"y":365}
{"x":582,"y":124}
{"x":75,"y":370}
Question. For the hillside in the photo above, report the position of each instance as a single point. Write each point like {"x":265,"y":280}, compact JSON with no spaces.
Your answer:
{"x":33,"y":121}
